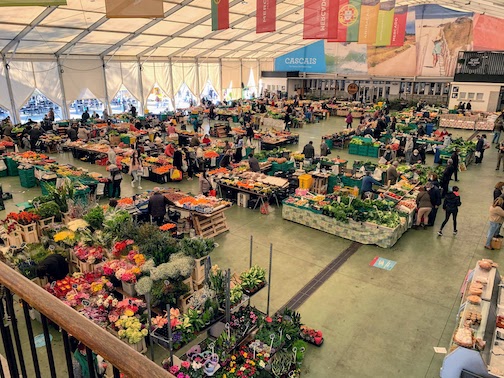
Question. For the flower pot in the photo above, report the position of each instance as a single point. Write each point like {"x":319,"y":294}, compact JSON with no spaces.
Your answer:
{"x":29,"y":233}
{"x":129,"y":288}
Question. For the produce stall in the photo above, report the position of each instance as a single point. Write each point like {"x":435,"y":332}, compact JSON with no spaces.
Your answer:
{"x":480,"y":121}
{"x":363,"y":147}
{"x":365,"y":221}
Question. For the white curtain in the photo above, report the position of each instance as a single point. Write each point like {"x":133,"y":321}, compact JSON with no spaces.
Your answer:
{"x":81,"y":77}
{"x":185,"y":73}
{"x":267,"y":65}
{"x":114,"y":78}
{"x":47,"y":81}
{"x":130,"y":78}
{"x":248,"y":65}
{"x":214,"y":76}
{"x":231,"y":73}
{"x":22,"y":81}
{"x":156,"y":72}
{"x":202,"y":76}
{"x":4,"y":93}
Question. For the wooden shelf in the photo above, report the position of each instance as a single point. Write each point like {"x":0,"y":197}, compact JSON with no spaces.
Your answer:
{"x":209,"y":227}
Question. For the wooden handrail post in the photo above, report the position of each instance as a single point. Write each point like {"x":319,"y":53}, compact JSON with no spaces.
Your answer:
{"x":113,"y":350}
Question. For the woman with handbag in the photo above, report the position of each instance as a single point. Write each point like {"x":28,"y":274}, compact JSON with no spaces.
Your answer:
{"x":135,"y":170}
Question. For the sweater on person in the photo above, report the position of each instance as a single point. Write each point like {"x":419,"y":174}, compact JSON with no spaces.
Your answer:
{"x":496,"y":214}
{"x":423,"y":200}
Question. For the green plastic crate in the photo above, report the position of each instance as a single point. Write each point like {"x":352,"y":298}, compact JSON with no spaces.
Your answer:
{"x":329,"y":143}
{"x":125,"y":140}
{"x":363,"y":150}
{"x":12,"y":167}
{"x":373,"y":151}
{"x":353,"y":149}
{"x":3,"y":173}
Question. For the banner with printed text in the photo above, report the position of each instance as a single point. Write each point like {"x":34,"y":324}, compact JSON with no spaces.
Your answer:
{"x":134,"y":8}
{"x":385,"y":23}
{"x":399,"y":25}
{"x":309,"y":58}
{"x":368,"y":21}
{"x":265,"y":16}
{"x":320,"y":19}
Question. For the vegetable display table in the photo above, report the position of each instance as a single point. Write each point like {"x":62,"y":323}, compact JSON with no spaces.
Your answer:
{"x":365,"y":232}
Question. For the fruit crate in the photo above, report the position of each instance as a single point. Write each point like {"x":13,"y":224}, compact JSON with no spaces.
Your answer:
{"x":373,"y":151}
{"x":353,"y":149}
{"x":362,"y":150}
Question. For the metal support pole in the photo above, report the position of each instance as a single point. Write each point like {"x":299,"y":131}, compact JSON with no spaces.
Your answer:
{"x":170,"y":336}
{"x":228,"y":293}
{"x":251,"y":250}
{"x":149,"y":314}
{"x":220,"y":83}
{"x":140,"y":85}
{"x":65,"y":114}
{"x":269,"y":279}
{"x":7,"y":343}
{"x":171,"y":86}
{"x":107,"y":100}
{"x":241,"y":79}
{"x":198,"y":89}
{"x":13,"y":111}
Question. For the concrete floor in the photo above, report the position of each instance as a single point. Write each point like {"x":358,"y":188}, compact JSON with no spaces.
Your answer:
{"x":376,"y":323}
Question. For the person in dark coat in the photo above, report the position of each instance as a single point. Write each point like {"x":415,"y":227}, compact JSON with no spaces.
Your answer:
{"x":309,"y":150}
{"x":447,"y":175}
{"x":157,"y":206}
{"x":72,"y":133}
{"x":480,"y":149}
{"x":455,"y":158}
{"x":177,"y":159}
{"x":225,"y":162}
{"x":498,"y":190}
{"x":85,"y":116}
{"x":435,"y":196}
{"x":35,"y":135}
{"x":254,"y":163}
{"x":54,"y":267}
{"x":450,"y":205}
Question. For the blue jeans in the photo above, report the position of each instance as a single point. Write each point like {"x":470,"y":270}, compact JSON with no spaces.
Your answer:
{"x":494,"y":227}
{"x":496,"y":137}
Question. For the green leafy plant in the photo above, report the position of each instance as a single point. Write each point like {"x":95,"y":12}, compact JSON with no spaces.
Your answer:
{"x":43,"y":199}
{"x":236,"y":294}
{"x":197,"y":247}
{"x":95,"y":217}
{"x":253,"y":278}
{"x":61,"y":195}
{"x":48,"y":210}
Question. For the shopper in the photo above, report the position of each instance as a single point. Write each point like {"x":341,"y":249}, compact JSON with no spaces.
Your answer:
{"x":157,"y":206}
{"x":495,"y":221}
{"x":249,"y":132}
{"x":388,"y":156}
{"x":178,"y":159}
{"x":450,"y":206}
{"x":498,"y":190}
{"x":435,"y":196}
{"x":424,"y":207}
{"x":349,"y":120}
{"x":392,"y":174}
{"x":83,"y":133}
{"x":169,"y":150}
{"x":225,"y":162}
{"x":135,"y":170}
{"x":191,"y":161}
{"x":85,"y":116}
{"x":195,"y":142}
{"x":54,"y":267}
{"x":498,"y":127}
{"x":309,"y":151}
{"x":204,"y":183}
{"x":206,"y":140}
{"x":35,"y":135}
{"x":456,"y":160}
{"x":287,"y":121}
{"x":116,"y":179}
{"x":238,"y":155}
{"x":50,"y":115}
{"x":415,"y":158}
{"x":500,"y":155}
{"x":253,"y":163}
{"x":480,"y":145}
{"x":408,"y":148}
{"x":367,"y":185}
{"x":324,"y":149}
{"x":447,"y":175}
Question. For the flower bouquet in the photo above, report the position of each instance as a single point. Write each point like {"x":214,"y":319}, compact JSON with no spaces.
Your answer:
{"x":87,"y":254}
{"x":311,"y":335}
{"x":122,"y":248}
{"x":132,"y":331}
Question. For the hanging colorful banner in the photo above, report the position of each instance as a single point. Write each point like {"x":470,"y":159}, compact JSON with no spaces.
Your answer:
{"x":310,"y":58}
{"x":134,"y":9}
{"x":265,"y":16}
{"x":31,"y":3}
{"x":399,"y":25}
{"x":368,"y":21}
{"x":220,"y":14}
{"x":348,"y":21}
{"x":320,"y":19}
{"x":385,"y":23}
{"x":487,"y":33}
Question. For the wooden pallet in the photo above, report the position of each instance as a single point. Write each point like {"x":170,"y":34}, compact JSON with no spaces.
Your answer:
{"x":209,"y":227}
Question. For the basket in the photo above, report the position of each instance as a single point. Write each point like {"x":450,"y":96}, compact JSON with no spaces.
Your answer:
{"x":305,"y":181}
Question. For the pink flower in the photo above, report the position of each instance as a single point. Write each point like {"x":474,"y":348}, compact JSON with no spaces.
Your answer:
{"x":185,"y":364}
{"x":174,"y":369}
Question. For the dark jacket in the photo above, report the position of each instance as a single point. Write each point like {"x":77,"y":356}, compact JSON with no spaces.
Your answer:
{"x":451,"y":202}
{"x":480,"y":144}
{"x":225,"y":161}
{"x":435,"y":196}
{"x":497,"y":193}
{"x":455,"y":159}
{"x":447,"y":174}
{"x":72,"y":134}
{"x":309,"y":151}
{"x":35,"y":134}
{"x":54,"y":267}
{"x":254,"y":164}
{"x":157,"y":205}
{"x":177,"y":159}
{"x":423,"y":200}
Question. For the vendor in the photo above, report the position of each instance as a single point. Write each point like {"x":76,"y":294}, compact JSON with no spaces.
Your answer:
{"x":226,"y":159}
{"x":392,"y":174}
{"x":116,"y":179}
{"x":169,"y":150}
{"x":194,"y":141}
{"x":83,"y":133}
{"x":367,"y":185}
{"x":72,"y":133}
{"x":157,"y":206}
{"x":170,"y":130}
{"x":253,"y":163}
{"x":54,"y":267}
{"x":206,"y":139}
{"x":415,"y":158}
{"x":111,"y":155}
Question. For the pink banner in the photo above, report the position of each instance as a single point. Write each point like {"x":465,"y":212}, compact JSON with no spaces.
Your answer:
{"x":265,"y":16}
{"x":487,"y":33}
{"x":399,"y":25}
{"x":320,"y":19}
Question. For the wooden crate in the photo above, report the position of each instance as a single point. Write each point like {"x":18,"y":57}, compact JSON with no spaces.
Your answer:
{"x":198,"y":274}
{"x":85,"y":267}
{"x":44,"y":224}
{"x":13,"y":239}
{"x":210,"y":227}
{"x":29,"y":233}
{"x":183,"y":303}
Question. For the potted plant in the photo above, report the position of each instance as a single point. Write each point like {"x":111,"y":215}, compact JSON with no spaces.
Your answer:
{"x":95,"y":217}
{"x":253,"y":279}
{"x":26,"y":224}
{"x":48,"y":213}
{"x":199,"y":249}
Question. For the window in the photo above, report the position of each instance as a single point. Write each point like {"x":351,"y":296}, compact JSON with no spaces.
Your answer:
{"x":37,"y":107}
{"x":91,"y":104}
{"x":122,"y":101}
{"x":462,"y":95}
{"x":184,"y":98}
{"x":479,"y":96}
{"x":158,"y":101}
{"x":210,"y":93}
{"x":4,"y":113}
{"x":470,"y":96}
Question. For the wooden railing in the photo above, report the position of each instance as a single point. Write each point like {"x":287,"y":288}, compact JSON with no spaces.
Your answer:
{"x":124,"y":359}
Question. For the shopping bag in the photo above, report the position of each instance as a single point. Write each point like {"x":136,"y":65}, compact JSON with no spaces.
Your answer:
{"x":145,"y":172}
{"x":477,"y":154}
{"x":496,"y":243}
{"x":212,"y":193}
{"x":176,"y":175}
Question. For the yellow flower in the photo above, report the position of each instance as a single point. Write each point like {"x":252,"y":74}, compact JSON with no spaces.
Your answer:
{"x":62,"y":235}
{"x":252,"y":363}
{"x":128,"y":312}
{"x":76,"y":224}
{"x":233,"y":358}
{"x":245,"y":354}
{"x":232,"y":370}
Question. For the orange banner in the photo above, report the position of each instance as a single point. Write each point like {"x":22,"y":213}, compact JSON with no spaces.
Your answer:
{"x":368,"y":21}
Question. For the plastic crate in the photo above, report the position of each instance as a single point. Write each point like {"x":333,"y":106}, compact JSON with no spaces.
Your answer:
{"x":353,"y":149}
{"x":363,"y":150}
{"x":4,"y":173}
{"x":12,"y":166}
{"x":305,"y":181}
{"x":373,"y":151}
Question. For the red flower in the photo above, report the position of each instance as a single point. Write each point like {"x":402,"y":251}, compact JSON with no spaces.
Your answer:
{"x":268,"y":319}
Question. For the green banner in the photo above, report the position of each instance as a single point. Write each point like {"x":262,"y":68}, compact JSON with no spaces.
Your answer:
{"x":385,"y":23}
{"x":31,"y":3}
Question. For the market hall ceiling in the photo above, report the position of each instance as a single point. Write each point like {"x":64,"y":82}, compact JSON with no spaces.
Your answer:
{"x":81,"y":28}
